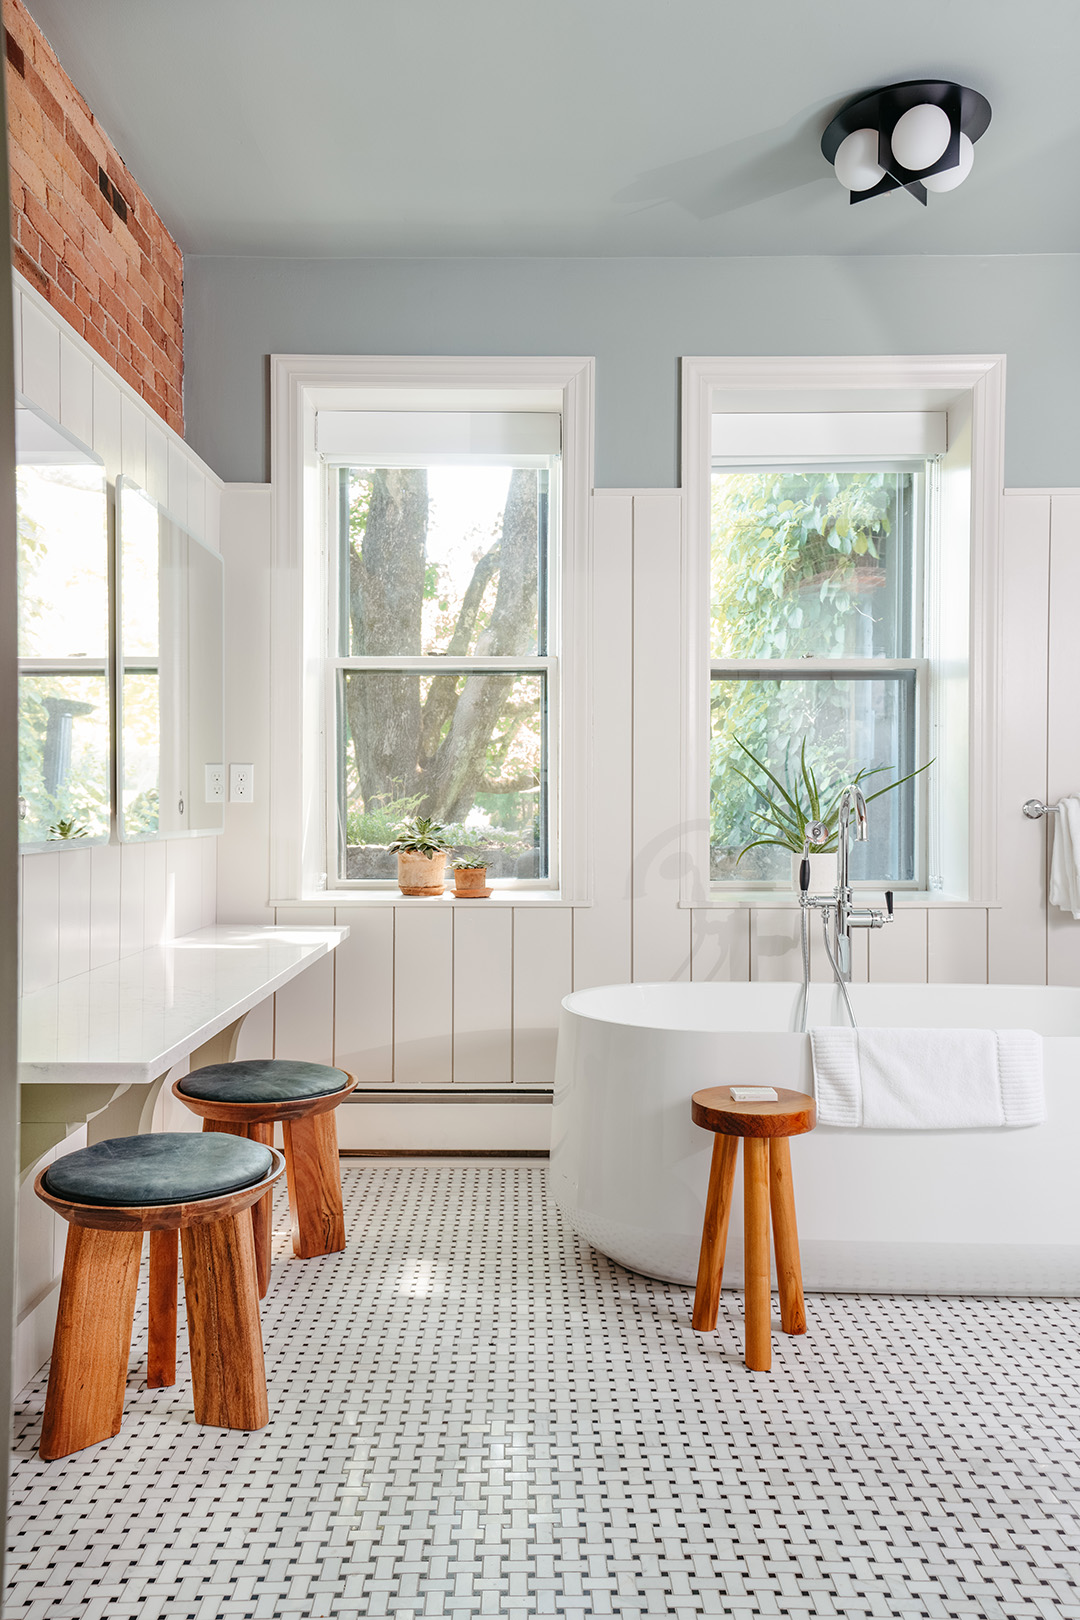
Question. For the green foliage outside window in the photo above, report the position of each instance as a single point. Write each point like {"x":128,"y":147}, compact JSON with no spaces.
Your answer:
{"x":803,"y":564}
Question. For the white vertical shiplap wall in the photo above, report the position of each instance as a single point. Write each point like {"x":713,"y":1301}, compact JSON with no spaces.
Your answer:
{"x":429,"y":995}
{"x":85,"y":907}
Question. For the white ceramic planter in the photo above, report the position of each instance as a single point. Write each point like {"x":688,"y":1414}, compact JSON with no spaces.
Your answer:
{"x":822,"y":873}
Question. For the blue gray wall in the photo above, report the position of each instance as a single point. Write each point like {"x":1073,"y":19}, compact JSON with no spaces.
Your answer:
{"x":637,"y":316}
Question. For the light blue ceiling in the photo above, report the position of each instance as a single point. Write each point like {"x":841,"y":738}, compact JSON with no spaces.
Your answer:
{"x":570,"y":127}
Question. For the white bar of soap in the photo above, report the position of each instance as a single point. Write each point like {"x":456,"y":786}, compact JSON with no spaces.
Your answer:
{"x":753,"y":1094}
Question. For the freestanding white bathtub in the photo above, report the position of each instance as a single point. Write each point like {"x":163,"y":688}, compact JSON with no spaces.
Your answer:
{"x":958,"y":1212}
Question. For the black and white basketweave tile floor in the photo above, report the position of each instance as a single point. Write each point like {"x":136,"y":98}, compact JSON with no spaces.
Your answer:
{"x":473,"y":1413}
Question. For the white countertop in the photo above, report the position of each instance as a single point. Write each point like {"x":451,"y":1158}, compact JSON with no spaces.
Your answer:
{"x":130,"y":1021}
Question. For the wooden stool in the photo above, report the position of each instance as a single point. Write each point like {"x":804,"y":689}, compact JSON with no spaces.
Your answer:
{"x":764,"y":1128}
{"x":248,"y":1099}
{"x":163,"y":1184}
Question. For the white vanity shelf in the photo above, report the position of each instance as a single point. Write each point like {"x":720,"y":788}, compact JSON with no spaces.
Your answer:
{"x":97,"y":1047}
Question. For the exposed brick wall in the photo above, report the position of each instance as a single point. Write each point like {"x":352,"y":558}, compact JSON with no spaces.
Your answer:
{"x":82,"y":231}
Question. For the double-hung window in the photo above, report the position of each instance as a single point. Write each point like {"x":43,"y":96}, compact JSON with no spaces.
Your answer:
{"x":818,"y":645}
{"x":442,"y":668}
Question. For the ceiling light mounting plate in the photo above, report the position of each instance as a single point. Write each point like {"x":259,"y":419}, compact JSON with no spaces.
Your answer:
{"x":881,"y":110}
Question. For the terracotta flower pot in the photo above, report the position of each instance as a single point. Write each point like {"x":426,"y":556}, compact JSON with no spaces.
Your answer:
{"x":470,"y":882}
{"x":421,"y":874}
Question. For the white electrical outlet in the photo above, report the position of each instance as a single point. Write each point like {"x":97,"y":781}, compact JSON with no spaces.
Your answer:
{"x":241,"y":784}
{"x":215,"y":784}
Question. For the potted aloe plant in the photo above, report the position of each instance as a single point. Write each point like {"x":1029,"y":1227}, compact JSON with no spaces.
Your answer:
{"x":420,"y":847}
{"x":786,"y":818}
{"x":470,"y":880}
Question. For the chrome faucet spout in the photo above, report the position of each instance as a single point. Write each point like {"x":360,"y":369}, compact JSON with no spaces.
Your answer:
{"x":852,"y":800}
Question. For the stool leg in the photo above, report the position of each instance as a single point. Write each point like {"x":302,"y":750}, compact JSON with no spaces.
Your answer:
{"x":161,"y":1349}
{"x":786,"y":1237}
{"x":227,"y":1368}
{"x":710,"y":1275}
{"x":85,"y":1399}
{"x":313,"y":1171}
{"x":758,"y":1280}
{"x":262,"y":1213}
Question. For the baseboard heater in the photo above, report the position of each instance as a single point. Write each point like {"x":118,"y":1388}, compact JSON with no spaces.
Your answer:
{"x":448,"y":1095}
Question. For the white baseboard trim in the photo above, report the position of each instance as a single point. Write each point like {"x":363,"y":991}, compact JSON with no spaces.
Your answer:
{"x":434,"y":1125}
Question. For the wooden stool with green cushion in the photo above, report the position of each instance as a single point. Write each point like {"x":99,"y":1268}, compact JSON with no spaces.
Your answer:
{"x":164,"y":1184}
{"x":248,"y":1098}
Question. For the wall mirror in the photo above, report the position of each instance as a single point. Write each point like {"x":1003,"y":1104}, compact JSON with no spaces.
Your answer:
{"x":63,"y":608}
{"x":169,"y":674}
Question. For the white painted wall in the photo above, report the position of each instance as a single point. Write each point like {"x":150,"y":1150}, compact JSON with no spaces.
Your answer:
{"x":428,"y":996}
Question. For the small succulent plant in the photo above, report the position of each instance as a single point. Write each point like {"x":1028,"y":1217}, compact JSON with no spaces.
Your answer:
{"x":69,"y":828}
{"x":422,"y":836}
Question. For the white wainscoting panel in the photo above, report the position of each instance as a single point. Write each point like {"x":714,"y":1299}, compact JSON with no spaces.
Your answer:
{"x":898,"y":951}
{"x":543,"y":975}
{"x":40,"y":920}
{"x":41,"y":357}
{"x":775,"y":944}
{"x":602,"y":931}
{"x":721,"y":943}
{"x":1017,"y":928}
{"x":76,"y":391}
{"x":73,"y":922}
{"x":304,"y":1009}
{"x":423,"y":996}
{"x":1063,"y":711}
{"x":133,"y":899}
{"x":662,"y":936}
{"x":956,"y":946}
{"x":364,"y":994}
{"x":155,"y":893}
{"x":483,"y":994}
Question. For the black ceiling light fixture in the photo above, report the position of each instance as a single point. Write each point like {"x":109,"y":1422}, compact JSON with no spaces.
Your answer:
{"x":920,"y":135}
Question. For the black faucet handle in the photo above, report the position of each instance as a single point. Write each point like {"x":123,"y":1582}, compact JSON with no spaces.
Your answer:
{"x":804,"y":874}
{"x":889,"y":901}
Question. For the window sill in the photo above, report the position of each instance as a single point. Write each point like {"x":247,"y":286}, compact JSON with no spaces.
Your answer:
{"x":342,"y":899}
{"x":772,"y":899}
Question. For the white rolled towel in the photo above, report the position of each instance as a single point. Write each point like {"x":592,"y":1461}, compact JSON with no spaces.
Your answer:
{"x":928,"y":1079}
{"x":1065,"y":857}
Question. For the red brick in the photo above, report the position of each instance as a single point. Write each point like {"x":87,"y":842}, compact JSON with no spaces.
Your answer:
{"x":24,"y":263}
{"x":44,"y":97}
{"x":138,"y":232}
{"x":43,"y":222}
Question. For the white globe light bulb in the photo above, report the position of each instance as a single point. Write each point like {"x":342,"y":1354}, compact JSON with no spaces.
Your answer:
{"x":856,"y":164}
{"x":920,"y":136}
{"x":949,"y":179}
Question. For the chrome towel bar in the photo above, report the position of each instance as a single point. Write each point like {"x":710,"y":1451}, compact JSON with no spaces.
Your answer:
{"x":1034,"y":808}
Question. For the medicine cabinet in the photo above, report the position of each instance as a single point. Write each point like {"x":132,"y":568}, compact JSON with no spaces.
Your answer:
{"x":120,"y":655}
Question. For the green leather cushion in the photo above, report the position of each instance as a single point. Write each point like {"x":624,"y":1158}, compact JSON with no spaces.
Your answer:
{"x":169,"y":1167}
{"x":263,"y":1080}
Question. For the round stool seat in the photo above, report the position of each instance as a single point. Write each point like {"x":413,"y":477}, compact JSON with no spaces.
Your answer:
{"x":262,"y":1080}
{"x":170,"y":1167}
{"x":792,"y":1114}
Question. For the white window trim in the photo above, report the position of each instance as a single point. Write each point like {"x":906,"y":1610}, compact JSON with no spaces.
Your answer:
{"x":303,"y":384}
{"x":972,"y":389}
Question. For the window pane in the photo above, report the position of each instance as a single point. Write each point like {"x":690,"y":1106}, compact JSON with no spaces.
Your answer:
{"x":848,"y":725}
{"x":63,"y":567}
{"x":442,"y":560}
{"x":816,"y":564}
{"x":63,"y":756}
{"x":469,"y":750}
